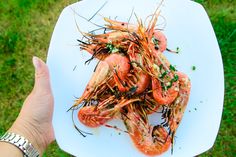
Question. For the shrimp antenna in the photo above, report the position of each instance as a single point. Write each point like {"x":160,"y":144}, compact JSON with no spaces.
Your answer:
{"x":97,"y":11}
{"x":153,"y":19}
{"x":86,"y":19}
{"x":138,"y":20}
{"x":97,"y":29}
{"x":132,"y":12}
{"x":71,"y":108}
{"x":74,"y":67}
{"x":164,"y":22}
{"x":158,"y":7}
{"x":75,"y":106}
{"x":116,"y":128}
{"x":130,"y":34}
{"x":172,"y":141}
{"x":79,"y":130}
{"x":77,"y":26}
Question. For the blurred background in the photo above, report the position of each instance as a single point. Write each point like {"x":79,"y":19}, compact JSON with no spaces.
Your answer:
{"x":25,"y":30}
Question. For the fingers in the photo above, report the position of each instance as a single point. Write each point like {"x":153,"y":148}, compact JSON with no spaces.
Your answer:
{"x":42,"y":80}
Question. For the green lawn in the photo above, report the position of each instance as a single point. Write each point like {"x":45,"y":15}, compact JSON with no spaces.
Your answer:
{"x":25,"y":30}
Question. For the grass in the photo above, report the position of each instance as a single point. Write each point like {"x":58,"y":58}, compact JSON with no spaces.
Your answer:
{"x":25,"y":30}
{"x":223,"y":17}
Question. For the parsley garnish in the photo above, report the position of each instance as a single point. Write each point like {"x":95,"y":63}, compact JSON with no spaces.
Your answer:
{"x":172,"y":68}
{"x":193,"y":68}
{"x":111,"y":48}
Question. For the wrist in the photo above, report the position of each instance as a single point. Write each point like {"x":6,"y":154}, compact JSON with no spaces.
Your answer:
{"x":8,"y":149}
{"x":30,"y":132}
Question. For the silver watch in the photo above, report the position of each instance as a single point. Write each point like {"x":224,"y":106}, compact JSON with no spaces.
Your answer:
{"x":20,"y":142}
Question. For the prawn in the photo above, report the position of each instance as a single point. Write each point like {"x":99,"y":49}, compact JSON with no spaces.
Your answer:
{"x":150,"y":140}
{"x":118,"y":25}
{"x":141,"y":78}
{"x":119,"y":65}
{"x":178,"y":107}
{"x":157,"y":37}
{"x":164,"y":80}
{"x":95,"y":116}
{"x":102,"y":45}
{"x":108,"y":73}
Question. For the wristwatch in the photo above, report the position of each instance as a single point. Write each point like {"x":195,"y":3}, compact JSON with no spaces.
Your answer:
{"x":20,"y":142}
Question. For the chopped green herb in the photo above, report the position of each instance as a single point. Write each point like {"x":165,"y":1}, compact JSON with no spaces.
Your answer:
{"x":172,"y":68}
{"x":161,"y":66}
{"x":163,"y":74}
{"x":156,"y":42}
{"x":132,"y":90}
{"x":163,"y":86}
{"x":177,"y":50}
{"x":115,"y":50}
{"x":111,"y":48}
{"x":176,"y":77}
{"x":169,"y":84}
{"x":193,"y":67}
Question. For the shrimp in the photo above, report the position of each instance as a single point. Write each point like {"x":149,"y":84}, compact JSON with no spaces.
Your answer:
{"x":102,"y":45}
{"x":150,"y":140}
{"x":141,"y":78}
{"x":95,"y":116}
{"x":178,"y":107}
{"x":120,"y":66}
{"x":96,"y":83}
{"x":158,"y":38}
{"x":165,"y":93}
{"x":109,"y":72}
{"x":110,"y":37}
{"x":138,"y":80}
{"x":164,"y":80}
{"x":121,"y":26}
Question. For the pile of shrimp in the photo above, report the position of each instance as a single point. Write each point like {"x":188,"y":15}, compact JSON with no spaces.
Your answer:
{"x":132,"y":80}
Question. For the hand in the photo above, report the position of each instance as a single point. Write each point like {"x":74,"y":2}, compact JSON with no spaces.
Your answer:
{"x":35,"y":119}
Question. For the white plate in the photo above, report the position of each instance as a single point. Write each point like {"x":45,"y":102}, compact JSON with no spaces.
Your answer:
{"x":187,"y":27}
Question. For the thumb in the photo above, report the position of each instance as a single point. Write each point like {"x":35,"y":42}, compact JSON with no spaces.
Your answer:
{"x":42,"y":81}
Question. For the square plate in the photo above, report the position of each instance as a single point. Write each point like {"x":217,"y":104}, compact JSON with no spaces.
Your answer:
{"x":187,"y":26}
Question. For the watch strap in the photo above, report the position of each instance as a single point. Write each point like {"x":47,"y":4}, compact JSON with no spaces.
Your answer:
{"x":21,"y":143}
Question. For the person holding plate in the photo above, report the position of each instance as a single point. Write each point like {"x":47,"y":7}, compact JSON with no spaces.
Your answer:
{"x":32,"y":131}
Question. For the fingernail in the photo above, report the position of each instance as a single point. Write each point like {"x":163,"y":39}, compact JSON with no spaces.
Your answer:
{"x":36,"y":63}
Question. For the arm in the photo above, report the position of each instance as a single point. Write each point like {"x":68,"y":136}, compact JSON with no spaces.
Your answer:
{"x":35,"y":119}
{"x":7,"y":149}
